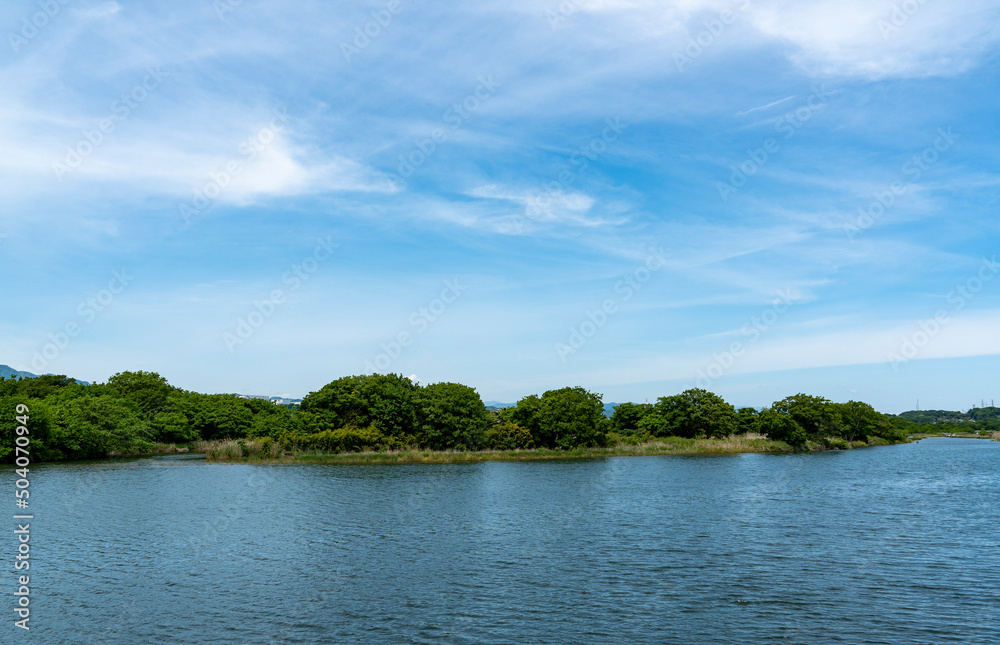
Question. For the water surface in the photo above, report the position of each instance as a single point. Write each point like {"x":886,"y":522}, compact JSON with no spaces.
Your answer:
{"x":899,"y":544}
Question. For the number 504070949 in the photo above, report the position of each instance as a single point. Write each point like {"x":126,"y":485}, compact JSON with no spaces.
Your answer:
{"x":21,"y":443}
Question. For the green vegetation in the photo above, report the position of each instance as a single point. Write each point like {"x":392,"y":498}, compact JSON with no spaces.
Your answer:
{"x":269,"y":451}
{"x":388,"y":418}
{"x":982,"y":422}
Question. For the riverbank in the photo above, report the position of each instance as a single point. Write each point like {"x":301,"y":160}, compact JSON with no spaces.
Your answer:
{"x":995,"y":436}
{"x":257,"y":451}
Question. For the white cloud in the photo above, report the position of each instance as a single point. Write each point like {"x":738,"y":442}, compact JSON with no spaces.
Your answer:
{"x":544,"y":207}
{"x":915,"y":38}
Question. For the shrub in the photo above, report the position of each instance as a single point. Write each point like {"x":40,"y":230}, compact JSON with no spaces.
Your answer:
{"x":344,"y":440}
{"x":509,"y":436}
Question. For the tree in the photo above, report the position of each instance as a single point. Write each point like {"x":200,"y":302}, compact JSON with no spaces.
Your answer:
{"x":37,"y":418}
{"x":41,"y":387}
{"x":857,"y":419}
{"x":781,"y":426}
{"x":814,"y":414}
{"x":570,"y":417}
{"x":697,"y":412}
{"x":97,"y":427}
{"x":389,"y":402}
{"x":147,"y":390}
{"x":748,"y":420}
{"x":452,"y":416}
{"x":652,"y":423}
{"x":172,"y":427}
{"x":626,"y":417}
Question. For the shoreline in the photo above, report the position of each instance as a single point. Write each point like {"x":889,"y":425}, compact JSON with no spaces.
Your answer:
{"x":253,"y":452}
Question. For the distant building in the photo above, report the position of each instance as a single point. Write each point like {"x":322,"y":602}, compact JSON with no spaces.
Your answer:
{"x":280,"y":400}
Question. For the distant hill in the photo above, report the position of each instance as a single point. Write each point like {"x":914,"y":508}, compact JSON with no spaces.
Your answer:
{"x":6,"y":371}
{"x":944,"y":416}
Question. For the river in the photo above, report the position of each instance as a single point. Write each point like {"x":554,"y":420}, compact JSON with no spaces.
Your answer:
{"x":897,"y":544}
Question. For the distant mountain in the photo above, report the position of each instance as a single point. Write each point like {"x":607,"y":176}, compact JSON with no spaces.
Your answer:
{"x":6,"y":371}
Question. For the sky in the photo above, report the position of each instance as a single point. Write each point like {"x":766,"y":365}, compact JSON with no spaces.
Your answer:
{"x":756,"y":197}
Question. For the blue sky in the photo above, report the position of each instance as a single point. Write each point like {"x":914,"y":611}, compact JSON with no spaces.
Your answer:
{"x":757,"y":197}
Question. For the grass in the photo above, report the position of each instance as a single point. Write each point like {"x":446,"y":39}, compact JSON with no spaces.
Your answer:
{"x":265,"y":451}
{"x":171,"y":449}
{"x":957,"y":435}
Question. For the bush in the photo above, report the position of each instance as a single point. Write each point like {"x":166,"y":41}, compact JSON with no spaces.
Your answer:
{"x":836,"y":443}
{"x":615,"y":439}
{"x":344,"y":440}
{"x":509,"y":436}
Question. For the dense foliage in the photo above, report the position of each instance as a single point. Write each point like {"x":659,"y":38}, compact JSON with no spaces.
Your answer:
{"x":134,"y":412}
{"x":796,"y":420}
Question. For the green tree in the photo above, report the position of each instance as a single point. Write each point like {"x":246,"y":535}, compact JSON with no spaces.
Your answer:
{"x":748,"y":420}
{"x":814,"y":414}
{"x":857,"y":419}
{"x":781,"y":426}
{"x":697,"y":412}
{"x":626,"y":417}
{"x":452,"y":416}
{"x":97,"y":427}
{"x":172,"y":427}
{"x":387,"y":401}
{"x":652,"y":423}
{"x":38,"y":425}
{"x":570,"y":417}
{"x":43,"y":386}
{"x":148,"y":391}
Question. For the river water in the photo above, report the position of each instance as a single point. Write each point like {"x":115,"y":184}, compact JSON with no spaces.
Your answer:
{"x":898,"y":544}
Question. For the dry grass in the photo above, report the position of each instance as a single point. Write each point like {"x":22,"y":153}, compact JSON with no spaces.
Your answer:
{"x":264,"y":451}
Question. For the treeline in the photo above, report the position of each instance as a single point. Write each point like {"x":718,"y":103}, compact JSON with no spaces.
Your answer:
{"x":983,"y":420}
{"x":135,"y":411}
